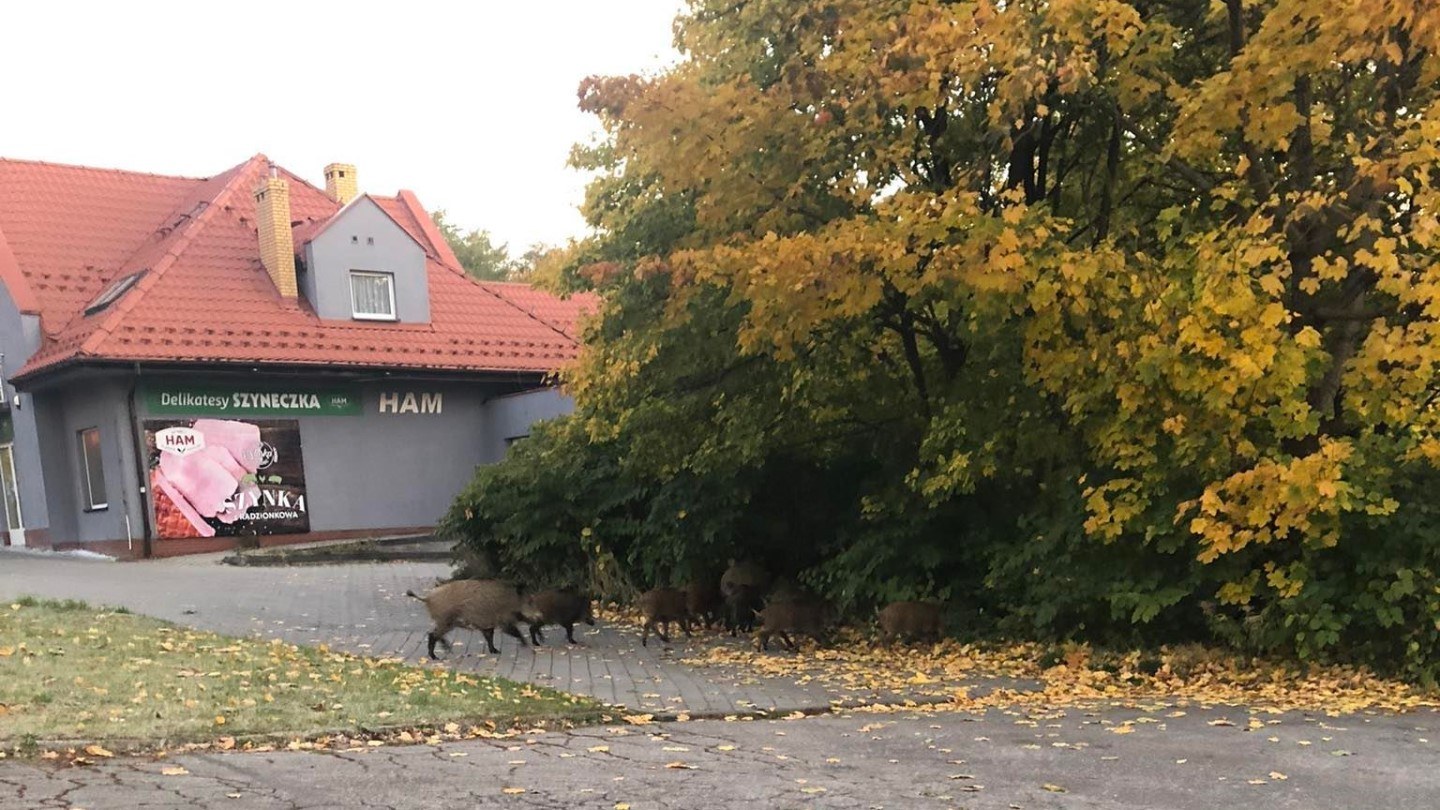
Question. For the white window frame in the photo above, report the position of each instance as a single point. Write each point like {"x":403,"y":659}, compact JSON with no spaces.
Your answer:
{"x":389,"y":287}
{"x":86,"y":480}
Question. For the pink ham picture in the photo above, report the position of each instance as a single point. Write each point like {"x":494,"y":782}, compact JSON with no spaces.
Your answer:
{"x":215,"y":481}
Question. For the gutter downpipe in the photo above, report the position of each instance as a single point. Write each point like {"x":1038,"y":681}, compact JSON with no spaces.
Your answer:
{"x":142,"y":478}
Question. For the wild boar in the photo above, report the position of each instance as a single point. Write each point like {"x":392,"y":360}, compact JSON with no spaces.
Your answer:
{"x":744,"y":575}
{"x":741,"y":605}
{"x":703,"y":600}
{"x":660,"y":607}
{"x":911,"y":620}
{"x":474,"y":604}
{"x":562,"y":607}
{"x":783,"y":618}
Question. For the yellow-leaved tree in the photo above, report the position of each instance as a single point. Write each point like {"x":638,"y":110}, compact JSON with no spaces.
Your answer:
{"x":1091,"y":313}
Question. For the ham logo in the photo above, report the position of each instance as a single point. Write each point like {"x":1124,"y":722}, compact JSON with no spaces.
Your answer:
{"x":179,"y":440}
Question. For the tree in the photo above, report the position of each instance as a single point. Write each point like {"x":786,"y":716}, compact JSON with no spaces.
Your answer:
{"x":1121,"y":317}
{"x":478,"y":254}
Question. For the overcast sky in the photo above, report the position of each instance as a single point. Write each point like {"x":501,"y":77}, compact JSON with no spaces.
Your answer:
{"x":471,"y":105}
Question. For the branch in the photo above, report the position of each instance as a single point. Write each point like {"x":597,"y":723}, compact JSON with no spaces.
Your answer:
{"x":1196,"y":177}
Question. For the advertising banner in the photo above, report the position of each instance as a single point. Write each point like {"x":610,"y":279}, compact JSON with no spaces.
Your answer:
{"x":226,"y":477}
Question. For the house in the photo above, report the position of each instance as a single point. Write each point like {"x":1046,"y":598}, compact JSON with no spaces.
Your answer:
{"x":194,"y":363}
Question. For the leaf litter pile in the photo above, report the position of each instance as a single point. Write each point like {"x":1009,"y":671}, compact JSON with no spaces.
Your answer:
{"x":72,"y":673}
{"x":852,"y":670}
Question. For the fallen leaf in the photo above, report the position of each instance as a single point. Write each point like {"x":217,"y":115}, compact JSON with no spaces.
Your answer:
{"x":598,"y":749}
{"x":1279,"y":777}
{"x":724,"y":748}
{"x":1221,"y":722}
{"x":679,"y":766}
{"x":97,"y":751}
{"x":622,"y":806}
{"x":1053,"y":788}
{"x":173,"y":770}
{"x":1257,"y":781}
{"x":513,"y":791}
{"x":1123,"y":730}
{"x":219,"y":719}
{"x":812,"y":790}
{"x":638,"y":719}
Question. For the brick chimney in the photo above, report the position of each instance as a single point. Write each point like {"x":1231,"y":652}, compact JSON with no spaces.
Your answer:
{"x":277,"y":243}
{"x":340,"y":182}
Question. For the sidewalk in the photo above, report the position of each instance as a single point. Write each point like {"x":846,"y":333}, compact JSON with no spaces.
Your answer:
{"x":362,"y":608}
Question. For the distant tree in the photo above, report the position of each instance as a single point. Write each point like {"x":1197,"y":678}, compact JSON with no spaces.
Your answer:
{"x":476,"y":250}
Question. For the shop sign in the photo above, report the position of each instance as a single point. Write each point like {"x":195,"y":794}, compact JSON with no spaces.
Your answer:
{"x":186,"y":400}
{"x":226,"y":477}
{"x":432,"y":402}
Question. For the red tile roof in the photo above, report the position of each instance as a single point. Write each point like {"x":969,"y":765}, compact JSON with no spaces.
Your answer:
{"x":68,"y":231}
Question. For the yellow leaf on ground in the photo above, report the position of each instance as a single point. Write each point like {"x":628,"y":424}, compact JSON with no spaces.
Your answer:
{"x":1053,"y":788}
{"x":638,"y":719}
{"x":724,"y":748}
{"x":679,"y":766}
{"x":1277,"y":776}
{"x":812,"y":790}
{"x":598,"y":749}
{"x":97,"y":751}
{"x":512,"y":791}
{"x":219,"y":719}
{"x":174,"y":770}
{"x":622,"y":806}
{"x":1123,"y":730}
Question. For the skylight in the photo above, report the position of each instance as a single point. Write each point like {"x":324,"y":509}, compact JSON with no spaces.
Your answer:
{"x":112,"y":292}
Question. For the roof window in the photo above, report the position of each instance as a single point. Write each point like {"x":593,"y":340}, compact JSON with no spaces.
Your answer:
{"x":112,"y":292}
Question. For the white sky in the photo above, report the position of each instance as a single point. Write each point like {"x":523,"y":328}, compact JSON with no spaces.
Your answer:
{"x":471,"y":105}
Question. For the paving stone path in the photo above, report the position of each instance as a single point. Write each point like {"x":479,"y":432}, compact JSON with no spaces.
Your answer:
{"x":362,"y":608}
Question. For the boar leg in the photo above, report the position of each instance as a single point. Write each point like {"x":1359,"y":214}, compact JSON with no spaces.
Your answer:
{"x":514,"y":632}
{"x":570,"y":632}
{"x":535,"y":635}
{"x":789,"y":642}
{"x":490,"y":639}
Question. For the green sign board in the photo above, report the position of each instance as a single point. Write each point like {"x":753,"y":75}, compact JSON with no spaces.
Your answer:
{"x":261,"y":401}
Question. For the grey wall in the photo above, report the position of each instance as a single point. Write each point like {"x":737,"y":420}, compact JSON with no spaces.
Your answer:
{"x":19,"y":337}
{"x":391,"y":470}
{"x":510,"y":417}
{"x":344,"y":245}
{"x":101,"y":401}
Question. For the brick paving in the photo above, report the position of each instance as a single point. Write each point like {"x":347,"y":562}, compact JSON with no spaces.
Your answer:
{"x":362,"y":608}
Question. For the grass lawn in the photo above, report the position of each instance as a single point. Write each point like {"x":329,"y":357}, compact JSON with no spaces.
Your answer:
{"x":70,"y":673}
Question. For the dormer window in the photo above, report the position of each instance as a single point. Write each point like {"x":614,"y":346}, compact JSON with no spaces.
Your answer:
{"x":372,"y":295}
{"x":112,"y":292}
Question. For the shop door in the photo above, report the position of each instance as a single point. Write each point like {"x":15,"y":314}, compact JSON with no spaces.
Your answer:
{"x":11,"y":493}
